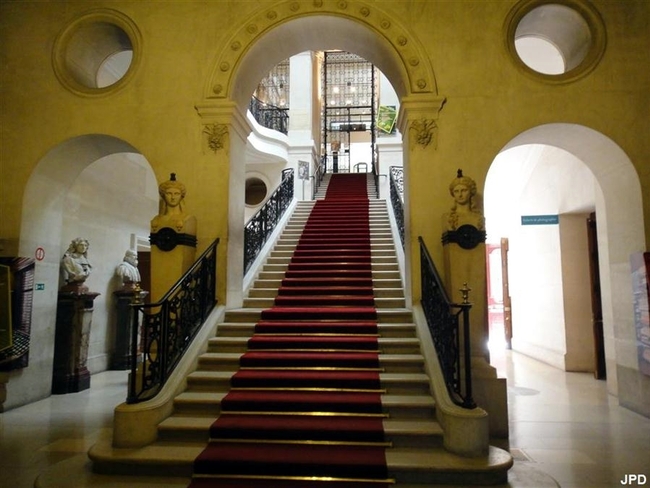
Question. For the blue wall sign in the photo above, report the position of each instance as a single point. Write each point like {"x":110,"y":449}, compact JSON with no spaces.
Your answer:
{"x":539,"y":220}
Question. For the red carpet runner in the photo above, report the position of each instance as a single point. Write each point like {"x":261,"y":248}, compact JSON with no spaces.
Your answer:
{"x":304,"y":410}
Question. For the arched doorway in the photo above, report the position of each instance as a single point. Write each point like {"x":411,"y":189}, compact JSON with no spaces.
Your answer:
{"x":102,"y":189}
{"x":548,"y":176}
{"x":274,"y":35}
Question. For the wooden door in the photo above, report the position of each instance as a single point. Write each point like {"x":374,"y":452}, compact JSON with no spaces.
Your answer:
{"x":600,"y":371}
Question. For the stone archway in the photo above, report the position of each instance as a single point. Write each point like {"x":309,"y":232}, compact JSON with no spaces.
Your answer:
{"x":618,"y":205}
{"x":275,"y":34}
{"x":119,"y":180}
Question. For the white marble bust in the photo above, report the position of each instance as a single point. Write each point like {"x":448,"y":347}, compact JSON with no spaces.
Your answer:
{"x":127,"y":270}
{"x":75,"y":267}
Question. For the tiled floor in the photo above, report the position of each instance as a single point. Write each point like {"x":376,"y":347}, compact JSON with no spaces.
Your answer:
{"x":562,"y":424}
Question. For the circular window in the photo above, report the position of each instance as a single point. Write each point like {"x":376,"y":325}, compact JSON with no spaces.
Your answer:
{"x":97,"y":52}
{"x":255,"y":191}
{"x":557,"y":41}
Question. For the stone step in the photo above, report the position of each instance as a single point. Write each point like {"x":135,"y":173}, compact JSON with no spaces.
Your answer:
{"x":259,"y":292}
{"x":244,"y":329}
{"x":397,"y":315}
{"x":393,"y":383}
{"x":388,"y":345}
{"x":380,"y":302}
{"x":208,"y":404}
{"x":412,"y":468}
{"x":388,"y":363}
{"x":420,"y":433}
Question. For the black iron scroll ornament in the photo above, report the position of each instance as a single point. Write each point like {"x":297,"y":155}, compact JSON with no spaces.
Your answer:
{"x":466,"y":236}
{"x":166,"y":239}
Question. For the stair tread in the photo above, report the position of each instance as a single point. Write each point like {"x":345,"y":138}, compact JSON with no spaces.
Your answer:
{"x":431,"y":459}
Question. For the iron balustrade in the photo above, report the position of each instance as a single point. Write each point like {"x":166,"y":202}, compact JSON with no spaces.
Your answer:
{"x":443,"y":322}
{"x":270,"y":116}
{"x":397,"y":198}
{"x":163,"y":331}
{"x":263,"y":223}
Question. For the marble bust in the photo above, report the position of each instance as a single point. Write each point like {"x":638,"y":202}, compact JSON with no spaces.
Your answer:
{"x":171,"y":212}
{"x":128,"y":271}
{"x":75,"y":267}
{"x":464,"y":210}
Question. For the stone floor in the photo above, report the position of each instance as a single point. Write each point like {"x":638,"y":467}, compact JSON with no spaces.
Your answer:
{"x":563,"y":427}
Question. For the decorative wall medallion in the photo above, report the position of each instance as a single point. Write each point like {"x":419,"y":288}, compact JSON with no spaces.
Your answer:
{"x":224,"y":66}
{"x":385,"y":24}
{"x":235,"y":46}
{"x":251,"y":28}
{"x":365,"y":11}
{"x":272,"y":15}
{"x":318,"y":3}
{"x":217,"y":89}
{"x":421,"y":84}
{"x":343,"y":4}
{"x":216,"y":136}
{"x":402,"y":41}
{"x":423,"y":131}
{"x":295,"y":6}
{"x":414,"y":61}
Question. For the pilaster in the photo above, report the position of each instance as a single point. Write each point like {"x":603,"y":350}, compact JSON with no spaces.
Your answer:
{"x":224,"y":129}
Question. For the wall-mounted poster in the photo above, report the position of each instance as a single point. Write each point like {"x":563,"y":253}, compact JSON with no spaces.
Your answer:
{"x":303,"y":170}
{"x":640,"y":263}
{"x":386,"y":117}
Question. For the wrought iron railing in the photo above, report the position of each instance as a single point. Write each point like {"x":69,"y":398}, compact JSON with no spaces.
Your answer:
{"x":397,"y":198}
{"x":270,"y":116}
{"x":163,"y":331}
{"x":317,"y":177}
{"x":443,"y":320}
{"x":263,"y":223}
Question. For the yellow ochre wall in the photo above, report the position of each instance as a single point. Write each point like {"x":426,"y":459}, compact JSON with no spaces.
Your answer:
{"x":186,"y":48}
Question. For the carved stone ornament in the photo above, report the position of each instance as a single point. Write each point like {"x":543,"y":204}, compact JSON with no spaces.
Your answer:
{"x":423,"y":131}
{"x":216,"y":136}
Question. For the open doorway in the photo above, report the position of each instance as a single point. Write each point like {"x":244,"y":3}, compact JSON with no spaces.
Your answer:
{"x":542,"y":193}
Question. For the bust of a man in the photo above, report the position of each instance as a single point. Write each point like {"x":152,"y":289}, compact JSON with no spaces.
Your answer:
{"x":463,"y":211}
{"x":172,"y":208}
{"x":128,"y":271}
{"x":75,"y":267}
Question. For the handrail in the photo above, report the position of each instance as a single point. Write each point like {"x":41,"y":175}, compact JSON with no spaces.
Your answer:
{"x":442,"y":317}
{"x":397,"y":198}
{"x":261,"y":225}
{"x":365,"y":167}
{"x":270,"y":116}
{"x":169,"y":325}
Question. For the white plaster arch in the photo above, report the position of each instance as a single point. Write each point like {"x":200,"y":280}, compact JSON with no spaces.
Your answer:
{"x":618,"y":205}
{"x":289,"y":28}
{"x":46,"y":199}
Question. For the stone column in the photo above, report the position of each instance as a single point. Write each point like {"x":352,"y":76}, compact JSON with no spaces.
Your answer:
{"x":73,"y":322}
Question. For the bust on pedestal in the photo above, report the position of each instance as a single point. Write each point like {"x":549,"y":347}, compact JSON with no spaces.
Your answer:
{"x":73,"y":321}
{"x":465,"y":263}
{"x":127,"y":271}
{"x":173,"y":238}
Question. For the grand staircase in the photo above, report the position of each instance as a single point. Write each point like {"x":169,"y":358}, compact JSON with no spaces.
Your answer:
{"x":412,"y":439}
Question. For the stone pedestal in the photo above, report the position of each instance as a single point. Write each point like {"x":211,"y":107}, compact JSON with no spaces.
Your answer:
{"x":465,"y":262}
{"x":121,"y":358}
{"x":73,"y":321}
{"x":172,"y":254}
